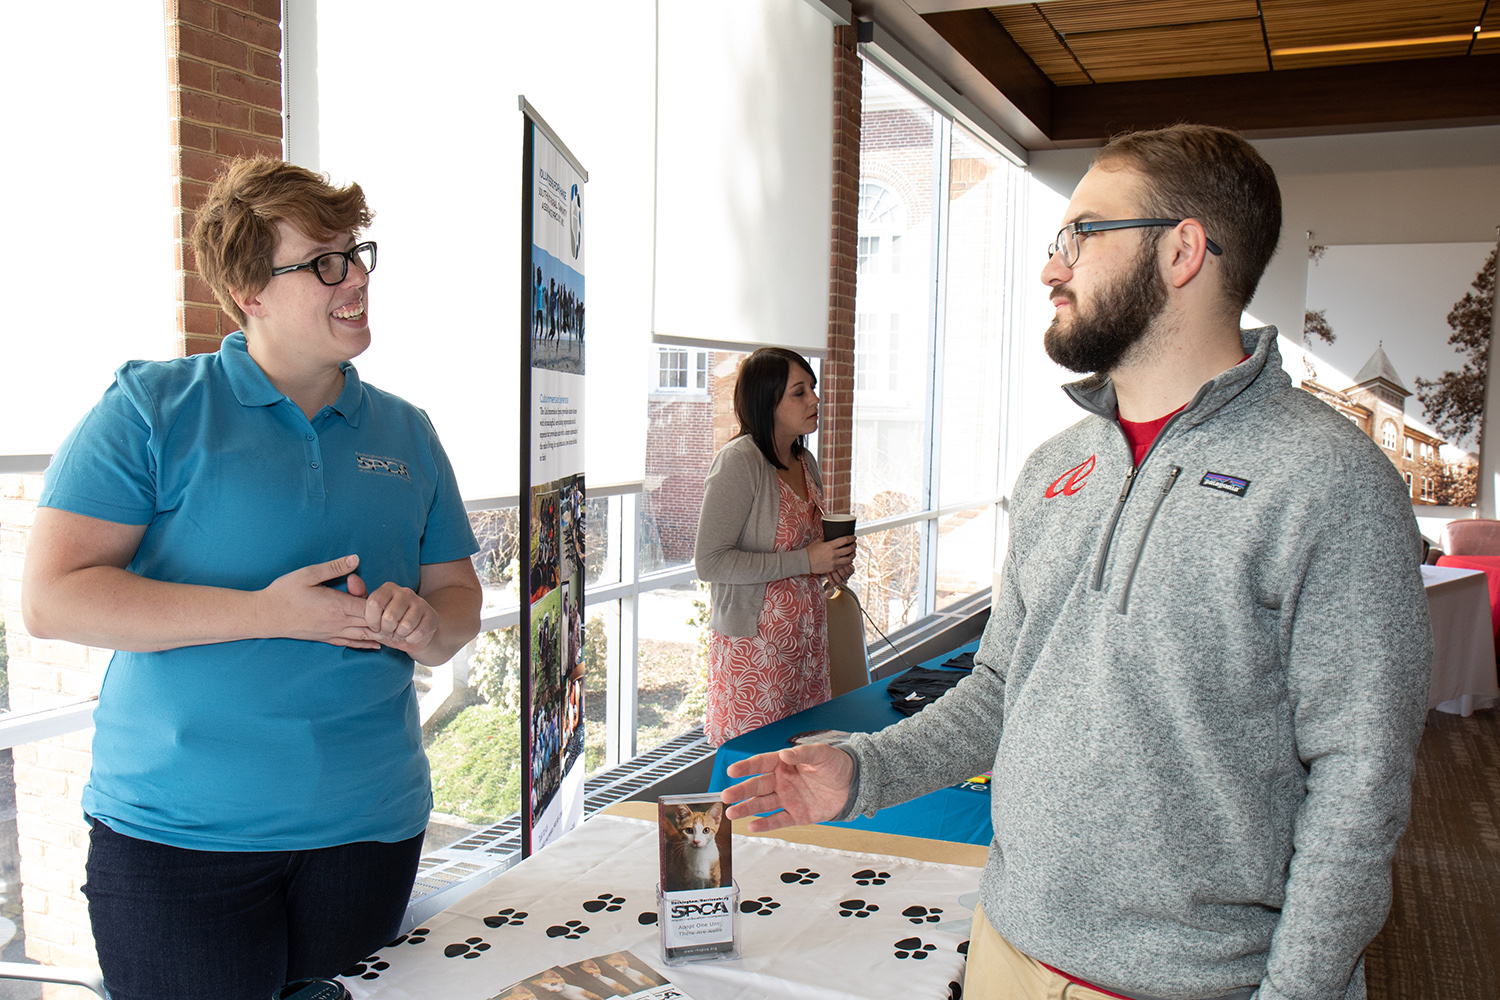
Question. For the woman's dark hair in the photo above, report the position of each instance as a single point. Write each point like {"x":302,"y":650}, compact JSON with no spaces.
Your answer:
{"x":758,"y":391}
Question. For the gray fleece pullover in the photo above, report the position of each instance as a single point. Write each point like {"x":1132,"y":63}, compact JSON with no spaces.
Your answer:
{"x":1201,"y":690}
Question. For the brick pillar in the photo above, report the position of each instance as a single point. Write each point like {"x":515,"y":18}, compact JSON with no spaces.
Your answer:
{"x":224,"y":67}
{"x":836,"y":428}
{"x":52,"y":838}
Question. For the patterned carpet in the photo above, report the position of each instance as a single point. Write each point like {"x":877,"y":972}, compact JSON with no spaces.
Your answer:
{"x":1442,"y":938}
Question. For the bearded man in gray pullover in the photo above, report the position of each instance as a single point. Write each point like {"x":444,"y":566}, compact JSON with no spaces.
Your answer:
{"x":1205,"y":673}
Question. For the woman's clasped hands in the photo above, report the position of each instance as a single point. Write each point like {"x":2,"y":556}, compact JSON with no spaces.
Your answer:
{"x":393,"y":615}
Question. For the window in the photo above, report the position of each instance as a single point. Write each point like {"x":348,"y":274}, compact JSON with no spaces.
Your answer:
{"x":672,"y":370}
{"x":1390,"y":437}
{"x":678,"y":369}
{"x":1409,"y":443}
{"x":930,"y":330}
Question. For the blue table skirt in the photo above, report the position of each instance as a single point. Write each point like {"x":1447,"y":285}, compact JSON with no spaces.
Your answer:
{"x":956,"y":813}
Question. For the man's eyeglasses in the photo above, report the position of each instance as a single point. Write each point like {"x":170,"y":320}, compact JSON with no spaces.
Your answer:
{"x":1069,"y":244}
{"x":332,"y":268}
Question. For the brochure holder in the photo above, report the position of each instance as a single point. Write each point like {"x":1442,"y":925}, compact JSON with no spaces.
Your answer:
{"x":699,"y":925}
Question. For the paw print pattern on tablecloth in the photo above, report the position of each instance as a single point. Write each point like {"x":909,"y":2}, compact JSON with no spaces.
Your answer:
{"x":370,"y":968}
{"x":648,"y":918}
{"x":868,"y":876}
{"x":802,"y":876}
{"x":509,"y":915}
{"x":922,"y":914}
{"x":963,"y":949}
{"x":604,"y":901}
{"x":570,"y":929}
{"x":955,"y":991}
{"x":856,"y":908}
{"x":467,"y":948}
{"x":761,"y":906}
{"x":913,"y":947}
{"x":416,"y":935}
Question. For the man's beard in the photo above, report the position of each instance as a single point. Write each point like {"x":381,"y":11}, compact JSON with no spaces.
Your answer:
{"x":1098,"y":339}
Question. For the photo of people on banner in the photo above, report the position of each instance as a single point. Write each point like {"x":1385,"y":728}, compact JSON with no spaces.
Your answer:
{"x":557,"y":314}
{"x":556,"y":590}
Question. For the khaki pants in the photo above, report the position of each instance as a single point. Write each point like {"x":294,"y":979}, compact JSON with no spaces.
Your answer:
{"x":997,"y":971}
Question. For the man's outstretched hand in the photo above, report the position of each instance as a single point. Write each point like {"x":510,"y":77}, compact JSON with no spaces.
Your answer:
{"x":807,"y":783}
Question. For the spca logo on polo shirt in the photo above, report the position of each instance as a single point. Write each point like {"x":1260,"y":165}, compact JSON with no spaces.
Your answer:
{"x":382,"y":466}
{"x":1072,"y":481}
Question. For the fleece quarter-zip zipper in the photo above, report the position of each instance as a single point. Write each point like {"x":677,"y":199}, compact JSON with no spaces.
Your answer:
{"x":1135,"y":562}
{"x":1109,"y":532}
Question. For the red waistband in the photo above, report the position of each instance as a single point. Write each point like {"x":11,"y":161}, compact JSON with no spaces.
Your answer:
{"x":1081,"y":982}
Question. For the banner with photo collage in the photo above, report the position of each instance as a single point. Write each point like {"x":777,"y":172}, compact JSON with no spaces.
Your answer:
{"x":552,"y":488}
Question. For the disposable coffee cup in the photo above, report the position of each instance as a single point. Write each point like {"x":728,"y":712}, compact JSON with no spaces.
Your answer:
{"x":837,"y":526}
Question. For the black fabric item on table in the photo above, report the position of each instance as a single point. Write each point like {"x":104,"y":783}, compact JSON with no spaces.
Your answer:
{"x":919,"y":687}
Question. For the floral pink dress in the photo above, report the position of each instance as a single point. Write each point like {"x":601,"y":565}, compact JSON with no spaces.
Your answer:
{"x":784,"y":668}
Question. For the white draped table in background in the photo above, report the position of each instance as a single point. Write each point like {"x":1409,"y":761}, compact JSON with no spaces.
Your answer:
{"x":1463,"y":633}
{"x":816,"y":923}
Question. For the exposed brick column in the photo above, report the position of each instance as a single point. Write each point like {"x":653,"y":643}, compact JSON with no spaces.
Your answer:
{"x":836,"y":428}
{"x":224,"y":66}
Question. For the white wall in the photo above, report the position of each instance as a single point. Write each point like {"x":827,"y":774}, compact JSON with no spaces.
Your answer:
{"x":1428,"y":186}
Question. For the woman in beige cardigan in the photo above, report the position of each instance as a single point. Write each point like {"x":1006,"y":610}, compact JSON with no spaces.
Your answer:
{"x":760,"y":548}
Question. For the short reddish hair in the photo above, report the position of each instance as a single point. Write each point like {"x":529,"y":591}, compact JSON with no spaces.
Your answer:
{"x":235,"y":234}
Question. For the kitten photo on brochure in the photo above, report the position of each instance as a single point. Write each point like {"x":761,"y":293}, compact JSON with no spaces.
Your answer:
{"x":695,"y":844}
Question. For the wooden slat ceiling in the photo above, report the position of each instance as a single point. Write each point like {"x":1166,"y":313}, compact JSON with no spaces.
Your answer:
{"x":1319,"y":63}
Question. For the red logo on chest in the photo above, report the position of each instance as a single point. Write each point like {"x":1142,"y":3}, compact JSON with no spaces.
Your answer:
{"x":1072,"y":481}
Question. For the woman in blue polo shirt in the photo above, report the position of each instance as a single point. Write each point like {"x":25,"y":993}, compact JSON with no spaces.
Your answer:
{"x":268,"y":543}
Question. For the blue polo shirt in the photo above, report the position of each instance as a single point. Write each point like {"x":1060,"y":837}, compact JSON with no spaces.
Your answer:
{"x":272,"y":744}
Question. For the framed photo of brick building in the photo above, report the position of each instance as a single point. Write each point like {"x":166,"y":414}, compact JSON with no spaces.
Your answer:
{"x":1396,"y":338}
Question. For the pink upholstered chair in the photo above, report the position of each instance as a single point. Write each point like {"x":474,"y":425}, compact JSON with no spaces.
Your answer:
{"x":1471,"y":537}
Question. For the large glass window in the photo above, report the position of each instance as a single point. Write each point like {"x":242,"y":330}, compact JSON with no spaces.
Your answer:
{"x":932,"y":308}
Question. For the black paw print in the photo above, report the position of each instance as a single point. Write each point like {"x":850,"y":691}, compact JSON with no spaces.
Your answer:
{"x":955,"y":991}
{"x":963,"y":949}
{"x":370,"y":968}
{"x":415,"y":936}
{"x":509,"y":915}
{"x":868,"y":876}
{"x":467,"y":948}
{"x":922,"y":914}
{"x":913,"y":947}
{"x":856,"y":908}
{"x":761,"y":906}
{"x":570,"y":929}
{"x":802,"y":876}
{"x":604,"y":902}
{"x":648,"y":918}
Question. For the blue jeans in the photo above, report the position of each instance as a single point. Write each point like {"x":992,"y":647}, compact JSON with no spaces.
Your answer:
{"x":170,"y":922}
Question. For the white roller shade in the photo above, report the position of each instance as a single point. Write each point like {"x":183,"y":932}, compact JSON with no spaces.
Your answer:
{"x":86,"y":267}
{"x":744,"y":174}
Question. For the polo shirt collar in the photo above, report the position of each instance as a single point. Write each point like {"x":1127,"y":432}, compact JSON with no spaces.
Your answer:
{"x":252,"y":388}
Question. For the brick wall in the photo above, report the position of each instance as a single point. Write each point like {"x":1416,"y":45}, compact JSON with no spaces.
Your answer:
{"x":837,"y":412}
{"x":679,"y":450}
{"x":224,"y":75}
{"x":224,"y":67}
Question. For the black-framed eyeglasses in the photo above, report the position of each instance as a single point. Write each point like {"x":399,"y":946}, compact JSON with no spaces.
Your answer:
{"x":333,"y":267}
{"x":1070,"y":246}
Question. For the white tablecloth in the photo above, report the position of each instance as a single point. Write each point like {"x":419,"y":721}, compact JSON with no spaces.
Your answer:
{"x":1463,"y":662}
{"x":815,"y":923}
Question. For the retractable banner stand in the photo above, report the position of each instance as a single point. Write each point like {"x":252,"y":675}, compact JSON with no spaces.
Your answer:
{"x":552,"y":539}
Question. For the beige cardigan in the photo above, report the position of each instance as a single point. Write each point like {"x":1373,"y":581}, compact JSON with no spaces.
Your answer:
{"x":737,"y":533}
